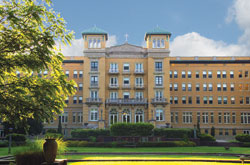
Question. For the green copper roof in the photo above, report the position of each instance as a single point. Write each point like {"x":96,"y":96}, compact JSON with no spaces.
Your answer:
{"x":95,"y":30}
{"x":156,"y":31}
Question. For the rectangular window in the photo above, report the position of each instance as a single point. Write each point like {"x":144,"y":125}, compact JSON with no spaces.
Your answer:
{"x":240,"y":87}
{"x":172,"y":117}
{"x":226,"y":117}
{"x":210,"y":74}
{"x":204,"y":74}
{"x":80,"y":100}
{"x":234,"y":118}
{"x":139,"y":95}
{"x":187,"y":117}
{"x":67,"y":100}
{"x":183,"y":87}
{"x":210,"y":99}
{"x":232,"y":87}
{"x":75,"y":74}
{"x":218,"y":87}
{"x":220,"y":131}
{"x":210,"y":87}
{"x":170,"y":74}
{"x":218,"y":74}
{"x":224,"y":74}
{"x":246,"y":87}
{"x":126,"y":95}
{"x":64,"y":117}
{"x":224,"y":87}
{"x":93,"y":115}
{"x":197,"y":87}
{"x":158,"y":94}
{"x":175,"y":74}
{"x":67,"y":73}
{"x":74,"y":99}
{"x":245,"y":118}
{"x":175,"y":100}
{"x":231,"y":74}
{"x":139,"y":68}
{"x":45,"y":73}
{"x":241,"y":100}
{"x":94,"y":66}
{"x":176,"y":117}
{"x":171,"y":100}
{"x":183,"y":99}
{"x":226,"y":132}
{"x":158,"y":66}
{"x":113,"y":95}
{"x":246,"y":74}
{"x":158,"y":80}
{"x":219,"y":118}
{"x":204,"y":99}
{"x":232,"y":100}
{"x":170,"y":87}
{"x":189,"y":87}
{"x":197,"y":99}
{"x":219,"y":99}
{"x":234,"y":132}
{"x":94,"y":94}
{"x":189,"y":74}
{"x":75,"y":86}
{"x":94,"y":81}
{"x":189,"y":99}
{"x":139,"y":81}
{"x":224,"y":99}
{"x":159,"y":115}
{"x":240,"y":73}
{"x":198,"y":116}
{"x":212,"y":117}
{"x":126,"y":67}
{"x":74,"y":117}
{"x":80,"y":74}
{"x":126,"y":81}
{"x":113,"y":68}
{"x":247,"y":100}
{"x":197,"y":74}
{"x":79,"y":117}
{"x":183,"y":74}
{"x":204,"y":87}
{"x":205,"y":117}
{"x":80,"y":86}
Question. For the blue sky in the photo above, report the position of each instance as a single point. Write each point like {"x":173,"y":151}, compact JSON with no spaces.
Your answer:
{"x":214,"y":21}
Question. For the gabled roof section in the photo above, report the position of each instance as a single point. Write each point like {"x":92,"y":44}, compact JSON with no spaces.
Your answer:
{"x":95,"y":30}
{"x":157,"y":31}
{"x":126,"y":50}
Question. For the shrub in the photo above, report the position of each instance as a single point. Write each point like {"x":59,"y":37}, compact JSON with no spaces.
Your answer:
{"x":243,"y":138}
{"x":166,"y":144}
{"x":4,"y":143}
{"x":53,"y":135}
{"x":51,"y":130}
{"x":174,"y":132}
{"x":246,"y":144}
{"x":86,"y":133}
{"x":30,"y":158}
{"x":206,"y":137}
{"x":17,"y":137}
{"x":99,"y":144}
{"x":131,"y":129}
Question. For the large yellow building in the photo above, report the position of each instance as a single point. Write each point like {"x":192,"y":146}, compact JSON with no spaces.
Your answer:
{"x":128,"y":83}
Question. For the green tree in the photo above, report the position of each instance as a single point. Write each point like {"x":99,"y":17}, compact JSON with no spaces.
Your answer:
{"x":29,"y":31}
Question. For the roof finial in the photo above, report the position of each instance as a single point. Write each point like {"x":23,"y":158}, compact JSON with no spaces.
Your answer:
{"x":126,"y":37}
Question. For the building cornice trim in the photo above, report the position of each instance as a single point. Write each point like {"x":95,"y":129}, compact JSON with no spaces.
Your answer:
{"x":209,"y":61}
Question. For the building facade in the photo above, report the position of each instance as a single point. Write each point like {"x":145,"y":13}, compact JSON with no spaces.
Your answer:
{"x":128,"y":83}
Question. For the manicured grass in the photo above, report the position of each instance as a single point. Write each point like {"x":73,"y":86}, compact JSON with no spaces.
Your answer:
{"x":4,"y":150}
{"x":237,"y":150}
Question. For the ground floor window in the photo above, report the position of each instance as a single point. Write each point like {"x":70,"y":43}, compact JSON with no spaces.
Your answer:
{"x":246,"y":132}
{"x":126,"y":116}
{"x":93,"y":115}
{"x":113,"y":116}
{"x":245,"y":118}
{"x":139,"y":116}
{"x":159,"y":115}
{"x":79,"y":117}
{"x":64,"y":117}
{"x":187,"y":117}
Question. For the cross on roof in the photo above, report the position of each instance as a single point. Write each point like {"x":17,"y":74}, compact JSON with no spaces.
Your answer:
{"x":126,"y":37}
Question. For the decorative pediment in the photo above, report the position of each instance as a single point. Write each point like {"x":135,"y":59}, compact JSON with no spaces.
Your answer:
{"x":126,"y":49}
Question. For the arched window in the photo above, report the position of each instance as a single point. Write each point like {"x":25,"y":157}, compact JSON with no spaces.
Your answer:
{"x":90,"y":43}
{"x":126,"y":116}
{"x":94,"y":44}
{"x":139,"y":116}
{"x":158,"y":43}
{"x":113,"y":116}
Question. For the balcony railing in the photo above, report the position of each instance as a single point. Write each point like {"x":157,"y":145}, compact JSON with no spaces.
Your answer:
{"x":139,"y":71}
{"x":139,"y":86}
{"x":113,"y":86}
{"x":126,"y":86}
{"x":126,"y":72}
{"x":94,"y":85}
{"x":159,"y":101}
{"x":158,"y":69}
{"x":93,"y":69}
{"x":113,"y":71}
{"x":93,"y":101}
{"x":130,"y":101}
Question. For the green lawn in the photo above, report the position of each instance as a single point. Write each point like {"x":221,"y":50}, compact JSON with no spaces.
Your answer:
{"x":237,"y":150}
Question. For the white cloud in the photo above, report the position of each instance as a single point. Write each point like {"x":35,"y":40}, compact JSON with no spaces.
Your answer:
{"x":193,"y":44}
{"x":76,"y":48}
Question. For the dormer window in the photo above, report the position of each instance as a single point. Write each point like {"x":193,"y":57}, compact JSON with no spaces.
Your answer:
{"x":158,"y":43}
{"x":94,"y":42}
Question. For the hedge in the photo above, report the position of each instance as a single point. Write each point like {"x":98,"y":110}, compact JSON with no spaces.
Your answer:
{"x":131,"y":129}
{"x":206,"y":137}
{"x":174,"y":132}
{"x":246,"y":144}
{"x":4,"y":143}
{"x":16,"y":137}
{"x":243,"y":137}
{"x":125,"y":144}
{"x":86,"y":133}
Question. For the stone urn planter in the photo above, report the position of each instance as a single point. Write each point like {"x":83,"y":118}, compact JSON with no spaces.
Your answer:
{"x":50,"y":150}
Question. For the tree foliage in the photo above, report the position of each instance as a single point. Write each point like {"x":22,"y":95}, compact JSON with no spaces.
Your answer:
{"x":29,"y":31}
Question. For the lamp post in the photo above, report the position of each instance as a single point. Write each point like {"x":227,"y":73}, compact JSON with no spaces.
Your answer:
{"x":10,"y":139}
{"x":195,"y":134}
